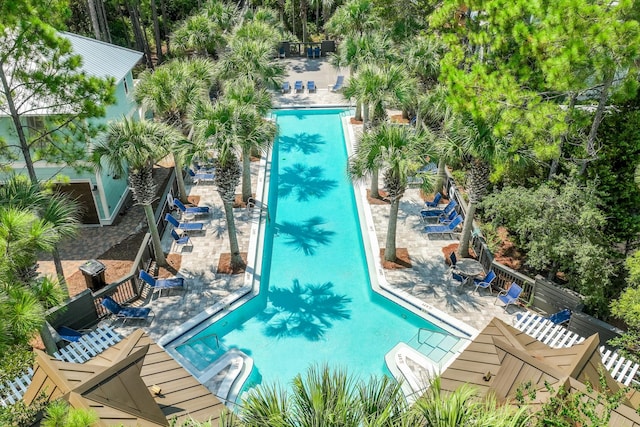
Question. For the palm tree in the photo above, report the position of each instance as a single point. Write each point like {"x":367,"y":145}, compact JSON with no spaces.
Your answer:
{"x":169,"y":92}
{"x":357,"y":50}
{"x":474,"y":144}
{"x":252,"y":59}
{"x":132,"y":148}
{"x":258,"y":132}
{"x":379,"y":88}
{"x":463,"y":407}
{"x":402,"y":151}
{"x":57,"y":210}
{"x":356,"y":17}
{"x":324,"y":397}
{"x":222,"y":128}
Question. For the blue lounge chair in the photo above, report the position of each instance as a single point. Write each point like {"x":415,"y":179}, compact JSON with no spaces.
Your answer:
{"x":316,"y":51}
{"x":158,"y":285}
{"x":311,"y":86}
{"x":444,"y":229}
{"x":68,"y":334}
{"x":559,"y":318}
{"x":201,"y":176}
{"x":434,"y":202}
{"x":286,"y":87}
{"x":196,"y":210}
{"x":338,"y":84}
{"x":511,"y":296}
{"x":181,"y":241}
{"x":485,"y":283}
{"x":453,"y":260}
{"x":430,"y":213}
{"x":298,"y":86}
{"x":187,"y":226}
{"x":447,"y":219}
{"x":126,"y":313}
{"x":309,"y":52}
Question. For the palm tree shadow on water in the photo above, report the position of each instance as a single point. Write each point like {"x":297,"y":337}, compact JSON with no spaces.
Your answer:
{"x":305,"y":236}
{"x":307,"y":311}
{"x":304,"y":182}
{"x":306,"y":143}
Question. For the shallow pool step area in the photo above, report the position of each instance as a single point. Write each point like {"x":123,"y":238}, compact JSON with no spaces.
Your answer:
{"x":226,"y":376}
{"x":201,"y":351}
{"x":412,"y":369}
{"x":437,"y":346}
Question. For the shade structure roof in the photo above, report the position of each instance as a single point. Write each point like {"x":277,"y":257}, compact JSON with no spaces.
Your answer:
{"x":117,"y":385}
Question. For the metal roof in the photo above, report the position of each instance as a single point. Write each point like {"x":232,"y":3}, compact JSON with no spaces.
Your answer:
{"x":102,"y":59}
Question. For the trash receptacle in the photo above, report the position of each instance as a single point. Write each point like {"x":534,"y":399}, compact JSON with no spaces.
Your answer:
{"x":93,"y":272}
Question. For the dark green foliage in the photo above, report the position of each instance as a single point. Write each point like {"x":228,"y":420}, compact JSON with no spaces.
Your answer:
{"x":560,"y":227}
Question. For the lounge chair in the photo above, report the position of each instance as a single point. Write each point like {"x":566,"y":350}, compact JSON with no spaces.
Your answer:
{"x":510,"y":296}
{"x":311,"y":86}
{"x":559,"y":318}
{"x":69,"y":335}
{"x":181,"y":241}
{"x":453,"y":260}
{"x":158,"y":285}
{"x":434,"y":202}
{"x":309,"y":52}
{"x":430,"y":213}
{"x":316,"y":52}
{"x":443,"y":229}
{"x":338,"y":84}
{"x":281,"y":53}
{"x":298,"y":86}
{"x":485,"y":283}
{"x":197,"y":177}
{"x":187,"y":226}
{"x":196,"y":210}
{"x":445,"y":220}
{"x":286,"y":87}
{"x":126,"y":313}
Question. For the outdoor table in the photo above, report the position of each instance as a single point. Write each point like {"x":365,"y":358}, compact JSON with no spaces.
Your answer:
{"x":470,"y":268}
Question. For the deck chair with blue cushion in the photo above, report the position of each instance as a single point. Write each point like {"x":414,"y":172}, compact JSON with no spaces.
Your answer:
{"x":434,"y":202}
{"x":316,"y":52}
{"x":485,"y":283}
{"x":309,"y":52}
{"x":431,"y":213}
{"x":311,"y":86}
{"x":181,"y":241}
{"x":445,"y":220}
{"x":561,"y":317}
{"x":69,"y":335}
{"x":444,"y":229}
{"x":286,"y":87}
{"x":510,"y":296}
{"x":197,"y":177}
{"x":158,"y":285}
{"x":281,"y":53}
{"x":186,"y":226}
{"x":126,"y":313}
{"x":458,"y":277}
{"x":338,"y":84}
{"x":298,"y":86}
{"x":196,"y":210}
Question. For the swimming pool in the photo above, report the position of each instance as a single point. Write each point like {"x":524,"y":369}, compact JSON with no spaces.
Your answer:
{"x":315,"y":303}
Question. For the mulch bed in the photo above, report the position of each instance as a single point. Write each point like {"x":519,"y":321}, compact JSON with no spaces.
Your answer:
{"x":447,"y":250}
{"x":355,"y":122}
{"x":224,"y":264}
{"x":376,"y":201}
{"x":403,"y":260}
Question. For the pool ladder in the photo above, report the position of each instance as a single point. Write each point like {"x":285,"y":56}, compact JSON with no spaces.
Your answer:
{"x":254,"y":203}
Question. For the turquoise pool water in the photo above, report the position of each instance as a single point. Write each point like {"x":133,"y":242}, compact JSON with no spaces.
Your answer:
{"x":315,"y":304}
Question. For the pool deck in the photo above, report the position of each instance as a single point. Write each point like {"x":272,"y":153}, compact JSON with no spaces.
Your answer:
{"x":427,"y":280}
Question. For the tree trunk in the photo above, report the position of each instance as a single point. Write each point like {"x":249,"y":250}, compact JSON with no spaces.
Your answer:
{"x":15,"y":117}
{"x":246,"y":175}
{"x":57,"y":262}
{"x":365,"y":117}
{"x":236,"y":258}
{"x":442,"y":176}
{"x":374,"y":193}
{"x":318,"y":14}
{"x":182,"y":189}
{"x":155,"y":236}
{"x":465,"y":239}
{"x":390,"y":247}
{"x":163,"y":8}
{"x":358,"y":114}
{"x":104,"y":22}
{"x":156,"y":31}
{"x":139,"y":35}
{"x":592,"y":152}
{"x":553,"y":169}
{"x":93,"y":14}
{"x":303,"y":19}
{"x":123,"y":17}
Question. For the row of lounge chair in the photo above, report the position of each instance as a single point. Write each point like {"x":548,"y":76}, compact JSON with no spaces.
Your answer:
{"x":298,"y":86}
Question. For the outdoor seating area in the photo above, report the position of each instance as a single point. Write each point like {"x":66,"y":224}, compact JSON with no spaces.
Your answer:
{"x":127,"y":313}
{"x":159,"y":285}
